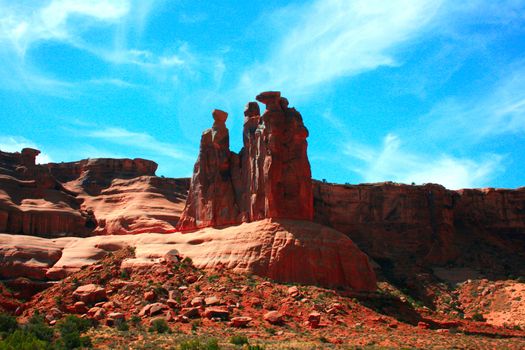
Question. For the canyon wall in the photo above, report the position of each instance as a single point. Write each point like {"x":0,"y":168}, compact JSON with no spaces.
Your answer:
{"x":405,"y":227}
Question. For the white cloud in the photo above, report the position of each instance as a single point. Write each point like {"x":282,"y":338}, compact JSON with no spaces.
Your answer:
{"x":336,"y":38}
{"x":138,"y":140}
{"x":16,"y":144}
{"x":172,"y":60}
{"x":391,"y":162}
{"x":498,"y":110}
{"x":23,"y":25}
{"x":113,"y":81}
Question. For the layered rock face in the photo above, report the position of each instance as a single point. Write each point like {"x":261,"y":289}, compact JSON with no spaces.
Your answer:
{"x":92,"y":196}
{"x":211,"y":199}
{"x":269,"y":178}
{"x":405,"y":227}
{"x":32,"y":201}
{"x":123,"y":196}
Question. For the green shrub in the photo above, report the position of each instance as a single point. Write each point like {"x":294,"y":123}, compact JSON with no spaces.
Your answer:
{"x":239,"y":340}
{"x":255,"y":347}
{"x":187,"y":261}
{"x":8,"y":324}
{"x":59,"y":301}
{"x":121,"y":325}
{"x":38,"y":327}
{"x":478,"y":317}
{"x":73,"y":323}
{"x":21,"y":340}
{"x":270,"y":331}
{"x":135,"y":320}
{"x":73,"y":341}
{"x":71,"y":328}
{"x":196,"y":344}
{"x":159,"y":325}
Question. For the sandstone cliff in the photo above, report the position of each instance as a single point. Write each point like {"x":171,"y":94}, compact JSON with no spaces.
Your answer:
{"x":404,"y":227}
{"x":92,"y":196}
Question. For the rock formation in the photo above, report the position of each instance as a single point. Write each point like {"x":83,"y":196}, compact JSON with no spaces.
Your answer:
{"x":32,"y":201}
{"x":123,"y":196}
{"x":405,"y":228}
{"x":286,"y":251}
{"x":92,"y":196}
{"x":211,"y":199}
{"x":269,"y":178}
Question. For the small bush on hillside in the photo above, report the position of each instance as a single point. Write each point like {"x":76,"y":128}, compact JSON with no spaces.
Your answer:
{"x":255,"y":347}
{"x":71,"y":328}
{"x":478,"y":317}
{"x":159,"y":325}
{"x":135,"y":320}
{"x":196,"y":344}
{"x":239,"y":340}
{"x":7,"y":325}
{"x":22,"y":340}
{"x":38,"y":327}
{"x":121,"y":325}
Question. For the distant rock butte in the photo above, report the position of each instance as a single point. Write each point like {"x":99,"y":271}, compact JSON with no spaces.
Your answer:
{"x":269,"y":178}
{"x":91,"y":196}
{"x":283,"y":250}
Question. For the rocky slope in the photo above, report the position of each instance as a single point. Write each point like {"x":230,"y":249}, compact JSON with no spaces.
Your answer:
{"x":216,"y":303}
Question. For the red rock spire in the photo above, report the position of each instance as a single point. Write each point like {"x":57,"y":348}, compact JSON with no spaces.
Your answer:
{"x":269,"y":178}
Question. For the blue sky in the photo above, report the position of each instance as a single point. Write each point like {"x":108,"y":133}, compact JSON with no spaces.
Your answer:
{"x":407,"y":91}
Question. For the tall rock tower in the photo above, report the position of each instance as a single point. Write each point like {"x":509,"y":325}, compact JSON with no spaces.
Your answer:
{"x":269,"y":178}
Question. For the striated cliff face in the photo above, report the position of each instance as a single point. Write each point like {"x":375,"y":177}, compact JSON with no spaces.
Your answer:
{"x":91,"y":196}
{"x":407,"y":227}
{"x":32,"y":201}
{"x":123,"y":196}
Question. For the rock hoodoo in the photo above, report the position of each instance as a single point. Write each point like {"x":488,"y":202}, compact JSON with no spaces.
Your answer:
{"x":269,"y":178}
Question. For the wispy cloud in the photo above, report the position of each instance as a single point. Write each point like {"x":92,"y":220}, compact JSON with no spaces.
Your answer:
{"x":68,"y":22}
{"x":22,"y":25}
{"x":391,"y":162}
{"x":330,"y":39}
{"x":138,"y":140}
{"x":498,"y":110}
{"x":16,"y":144}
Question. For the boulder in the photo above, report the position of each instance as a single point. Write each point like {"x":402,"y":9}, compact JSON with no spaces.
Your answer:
{"x":216,"y":312}
{"x":240,"y":321}
{"x":190,"y":312}
{"x":314,"y":319}
{"x":213,"y":300}
{"x":90,"y":293}
{"x":274,"y":317}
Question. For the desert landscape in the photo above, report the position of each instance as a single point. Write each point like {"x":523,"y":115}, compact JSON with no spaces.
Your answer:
{"x":252,"y":252}
{"x":251,"y":175}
